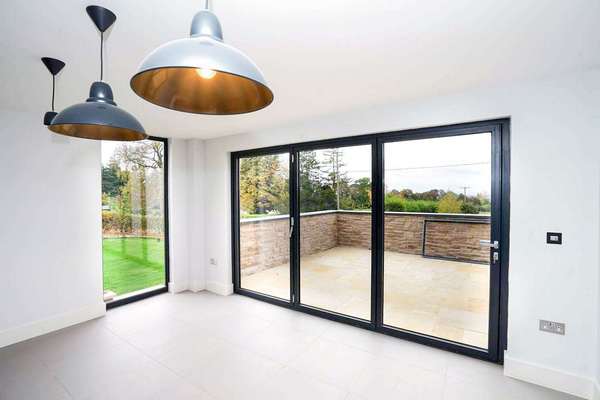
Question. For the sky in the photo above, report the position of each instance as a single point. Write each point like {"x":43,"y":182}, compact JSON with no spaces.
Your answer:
{"x":451,"y":163}
{"x":108,"y":148}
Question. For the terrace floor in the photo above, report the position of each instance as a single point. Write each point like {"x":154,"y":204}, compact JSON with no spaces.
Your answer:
{"x":446,"y":299}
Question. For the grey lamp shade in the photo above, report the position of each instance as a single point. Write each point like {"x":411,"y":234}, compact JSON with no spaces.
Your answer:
{"x":98,"y":118}
{"x":202,"y":74}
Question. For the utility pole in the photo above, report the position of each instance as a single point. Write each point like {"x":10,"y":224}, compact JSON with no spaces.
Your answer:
{"x":464,"y":188}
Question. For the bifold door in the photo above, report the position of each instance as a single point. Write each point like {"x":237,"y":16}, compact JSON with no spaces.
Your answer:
{"x":264,"y":224}
{"x":334,"y":214}
{"x":404,"y":233}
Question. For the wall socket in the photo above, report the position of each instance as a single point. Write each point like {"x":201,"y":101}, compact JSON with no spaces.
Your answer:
{"x":552,"y":327}
{"x":213,"y":261}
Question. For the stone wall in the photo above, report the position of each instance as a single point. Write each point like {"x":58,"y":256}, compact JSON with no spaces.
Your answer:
{"x":265,"y":241}
{"x":457,"y":240}
{"x":318,"y":232}
{"x":263,"y":244}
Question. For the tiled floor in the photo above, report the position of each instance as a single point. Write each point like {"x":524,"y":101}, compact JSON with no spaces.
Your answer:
{"x":446,"y":299}
{"x":204,"y":346}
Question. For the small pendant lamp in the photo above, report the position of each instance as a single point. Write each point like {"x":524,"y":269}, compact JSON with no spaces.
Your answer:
{"x":54,"y":66}
{"x":202,"y":74}
{"x":99,"y":117}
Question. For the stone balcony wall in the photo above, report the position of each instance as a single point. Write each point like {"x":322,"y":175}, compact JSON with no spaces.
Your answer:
{"x":264,"y":242}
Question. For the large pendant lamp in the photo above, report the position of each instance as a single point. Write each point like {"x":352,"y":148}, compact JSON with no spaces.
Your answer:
{"x":54,"y":67}
{"x":99,"y":117}
{"x":202,"y":74}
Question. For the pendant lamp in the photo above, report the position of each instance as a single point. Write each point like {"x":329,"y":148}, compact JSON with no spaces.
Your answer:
{"x":99,"y":117}
{"x":202,"y":74}
{"x":54,"y":66}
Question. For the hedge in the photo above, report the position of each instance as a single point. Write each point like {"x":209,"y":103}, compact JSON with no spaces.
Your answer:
{"x":128,"y":224}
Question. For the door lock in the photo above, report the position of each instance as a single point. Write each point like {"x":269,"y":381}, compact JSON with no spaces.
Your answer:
{"x":495,"y":257}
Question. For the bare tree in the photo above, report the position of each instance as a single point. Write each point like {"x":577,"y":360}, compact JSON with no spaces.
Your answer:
{"x":146,"y":154}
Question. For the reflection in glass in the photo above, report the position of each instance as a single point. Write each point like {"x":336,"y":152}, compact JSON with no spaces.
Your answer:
{"x":437,"y":209}
{"x":133,"y":217}
{"x":335,"y":230}
{"x":264,"y":224}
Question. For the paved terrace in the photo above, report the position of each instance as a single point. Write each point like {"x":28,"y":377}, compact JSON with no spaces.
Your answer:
{"x":446,"y":296}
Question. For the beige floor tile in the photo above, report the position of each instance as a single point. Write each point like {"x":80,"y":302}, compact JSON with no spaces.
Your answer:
{"x":295,"y":356}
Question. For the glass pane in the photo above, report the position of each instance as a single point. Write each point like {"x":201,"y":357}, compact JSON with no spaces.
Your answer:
{"x":133,"y":217}
{"x":335,"y":230}
{"x":264,"y":224}
{"x":437,"y":209}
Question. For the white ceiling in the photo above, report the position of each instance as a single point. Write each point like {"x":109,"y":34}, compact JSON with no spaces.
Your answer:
{"x":319,"y":57}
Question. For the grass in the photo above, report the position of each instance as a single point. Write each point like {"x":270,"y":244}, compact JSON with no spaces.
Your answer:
{"x":132,"y":264}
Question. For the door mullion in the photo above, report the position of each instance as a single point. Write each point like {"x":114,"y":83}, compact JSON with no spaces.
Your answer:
{"x":295,"y":236}
{"x":377,"y":235}
{"x":495,"y":266}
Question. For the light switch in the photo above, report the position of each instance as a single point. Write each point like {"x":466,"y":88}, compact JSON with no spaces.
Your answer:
{"x":554,"y":237}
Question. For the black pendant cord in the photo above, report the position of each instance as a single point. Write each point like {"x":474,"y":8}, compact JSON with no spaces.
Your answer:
{"x":53,"y":87}
{"x":101,"y":56}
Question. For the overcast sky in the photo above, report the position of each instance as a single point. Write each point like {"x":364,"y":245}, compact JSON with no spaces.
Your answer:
{"x":421,"y":165}
{"x":108,"y":148}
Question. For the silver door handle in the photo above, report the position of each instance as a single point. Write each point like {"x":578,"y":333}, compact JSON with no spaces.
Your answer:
{"x":487,"y":243}
{"x":291,"y":227}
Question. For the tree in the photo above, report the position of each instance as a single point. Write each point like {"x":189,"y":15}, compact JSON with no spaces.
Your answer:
{"x":141,"y":160}
{"x":310,"y":182}
{"x":111,"y":180}
{"x":469,"y":208}
{"x":144,"y":154}
{"x":449,"y":204}
{"x":123,"y":207}
{"x":336,"y":179}
{"x":359,"y":195}
{"x":263,"y":185}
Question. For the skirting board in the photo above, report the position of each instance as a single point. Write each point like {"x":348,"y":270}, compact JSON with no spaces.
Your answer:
{"x":176,"y":287}
{"x":197,"y":286}
{"x":54,"y":323}
{"x":194,"y":286}
{"x":220,"y":288}
{"x":551,"y":378}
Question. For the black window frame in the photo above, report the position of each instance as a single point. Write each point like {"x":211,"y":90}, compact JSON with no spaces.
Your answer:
{"x":500,"y":129}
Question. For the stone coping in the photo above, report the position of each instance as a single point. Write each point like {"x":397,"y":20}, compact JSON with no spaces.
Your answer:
{"x":483,"y":217}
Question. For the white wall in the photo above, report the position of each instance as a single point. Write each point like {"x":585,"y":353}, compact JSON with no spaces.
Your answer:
{"x":51,"y":235}
{"x":186,"y":213}
{"x":555,"y":187}
{"x":196,"y":221}
{"x":179,"y":262}
{"x":50,"y":229}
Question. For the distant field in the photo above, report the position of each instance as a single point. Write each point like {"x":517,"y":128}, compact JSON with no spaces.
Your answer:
{"x":132,"y":264}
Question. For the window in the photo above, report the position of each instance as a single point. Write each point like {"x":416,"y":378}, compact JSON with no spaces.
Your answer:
{"x":134,"y":219}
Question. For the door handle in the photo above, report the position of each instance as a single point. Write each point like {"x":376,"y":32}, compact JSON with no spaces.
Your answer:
{"x":491,"y":245}
{"x":291,"y":227}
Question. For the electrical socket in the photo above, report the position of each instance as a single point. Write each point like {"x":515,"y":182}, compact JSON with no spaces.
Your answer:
{"x":552,"y":327}
{"x":213,"y":261}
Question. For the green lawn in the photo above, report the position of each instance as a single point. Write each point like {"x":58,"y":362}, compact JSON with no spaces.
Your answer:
{"x":133,"y":263}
